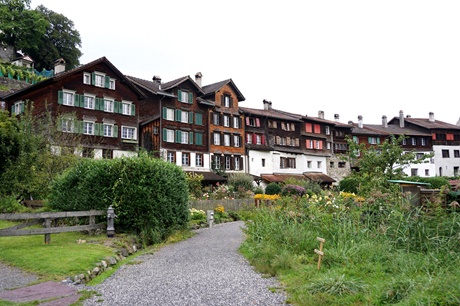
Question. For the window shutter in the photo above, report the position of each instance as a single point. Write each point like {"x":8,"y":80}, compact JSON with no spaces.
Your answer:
{"x":107,"y":81}
{"x":292,"y":127}
{"x":222,"y":100}
{"x":297,"y":142}
{"x":60,"y":97}
{"x":97,"y":104}
{"x":115,"y":131}
{"x":257,"y":122}
{"x":13,"y":110}
{"x":165,"y":110}
{"x":97,"y":129}
{"x":320,"y":145}
{"x":179,"y":95}
{"x":378,"y":140}
{"x":221,"y":120}
{"x":231,"y":102}
{"x":80,"y":126}
{"x":198,"y":119}
{"x":190,"y":98}
{"x":93,"y":78}
{"x":133,"y":109}
{"x":116,"y":107}
{"x":190,"y":137}
{"x":22,"y":106}
{"x":178,"y":136}
{"x":240,"y":123}
{"x":190,"y":117}
{"x":165,"y":134}
{"x":254,"y":138}
{"x":263,"y":139}
{"x":369,"y":139}
{"x":247,"y":120}
{"x":178,"y":114}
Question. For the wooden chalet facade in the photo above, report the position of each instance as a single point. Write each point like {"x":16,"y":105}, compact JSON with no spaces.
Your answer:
{"x":226,"y":129}
{"x":94,"y":100}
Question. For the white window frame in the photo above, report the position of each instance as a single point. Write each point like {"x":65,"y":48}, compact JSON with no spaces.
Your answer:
{"x":216,"y":139}
{"x":170,"y":156}
{"x":126,"y":107}
{"x":228,"y":162}
{"x":93,"y":101}
{"x":18,"y":107}
{"x":86,"y":78}
{"x":236,"y":122}
{"x":99,"y":79}
{"x":237,"y":162}
{"x":108,"y":130}
{"x":88,"y":127}
{"x":108,"y":105}
{"x":169,"y":135}
{"x":258,"y":139}
{"x":236,"y":141}
{"x":226,"y":120}
{"x":185,"y":159}
{"x":65,"y":97}
{"x":184,"y":117}
{"x":226,"y":101}
{"x":184,"y":138}
{"x":112,"y":84}
{"x":423,"y":141}
{"x":184,"y":97}
{"x":199,"y":160}
{"x":169,"y":114}
{"x":227,"y":140}
{"x":68,"y":125}
{"x":327,"y":130}
{"x":125,"y":132}
{"x":249,"y":138}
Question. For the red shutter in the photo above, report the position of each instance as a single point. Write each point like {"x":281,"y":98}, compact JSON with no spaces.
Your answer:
{"x":257,"y":122}
{"x":254,"y":138}
{"x":317,"y":129}
{"x":320,"y":145}
{"x":263,"y":139}
{"x":433,"y":136}
{"x":308,"y":127}
{"x":247,"y":120}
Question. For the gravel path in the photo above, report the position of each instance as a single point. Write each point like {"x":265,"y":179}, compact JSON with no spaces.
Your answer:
{"x":11,"y":277}
{"x":203,"y":270}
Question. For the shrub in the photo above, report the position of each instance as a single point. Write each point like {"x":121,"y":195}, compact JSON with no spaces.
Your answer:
{"x":292,"y":190}
{"x":273,"y":188}
{"x":10,"y":204}
{"x":241,"y":180}
{"x":349,"y":184}
{"x":194,"y":184}
{"x":150,"y":196}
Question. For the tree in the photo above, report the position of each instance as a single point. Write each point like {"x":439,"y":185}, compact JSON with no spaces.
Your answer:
{"x":61,"y":39}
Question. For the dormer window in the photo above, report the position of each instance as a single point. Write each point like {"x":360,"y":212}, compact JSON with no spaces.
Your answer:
{"x":87,"y":78}
{"x":185,"y":97}
{"x":226,"y":101}
{"x":99,"y":79}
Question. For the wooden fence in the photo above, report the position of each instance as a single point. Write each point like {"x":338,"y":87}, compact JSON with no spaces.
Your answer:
{"x":229,"y":205}
{"x":51,"y":222}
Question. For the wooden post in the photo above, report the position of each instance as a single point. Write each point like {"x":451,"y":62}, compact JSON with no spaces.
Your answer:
{"x":92,"y":221}
{"x":320,"y":251}
{"x":47,"y":236}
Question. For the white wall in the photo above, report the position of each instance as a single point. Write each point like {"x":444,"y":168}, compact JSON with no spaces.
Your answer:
{"x":446,"y":164}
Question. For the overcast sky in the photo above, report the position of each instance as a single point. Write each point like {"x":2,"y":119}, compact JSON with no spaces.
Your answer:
{"x":345,"y":57}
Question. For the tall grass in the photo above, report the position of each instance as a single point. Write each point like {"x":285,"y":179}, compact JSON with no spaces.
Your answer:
{"x":383,"y":249}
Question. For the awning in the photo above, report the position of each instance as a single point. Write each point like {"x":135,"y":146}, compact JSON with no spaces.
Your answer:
{"x":209,"y":176}
{"x":313,"y":176}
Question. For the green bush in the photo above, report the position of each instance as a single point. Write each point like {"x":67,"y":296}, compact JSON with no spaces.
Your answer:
{"x":436,"y":182}
{"x":10,"y":204}
{"x":349,"y":184}
{"x":273,"y":188}
{"x":150,"y":196}
{"x":241,"y":180}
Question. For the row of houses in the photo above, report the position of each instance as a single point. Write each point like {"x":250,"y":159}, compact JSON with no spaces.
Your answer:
{"x":204,"y":128}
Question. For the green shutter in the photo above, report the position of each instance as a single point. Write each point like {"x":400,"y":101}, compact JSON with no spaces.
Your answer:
{"x":107,"y":82}
{"x":165,"y":113}
{"x":60,"y":96}
{"x":378,"y":140}
{"x":198,"y":119}
{"x":178,"y":114}
{"x":199,"y":139}
{"x":165,"y":134}
{"x":190,"y":137}
{"x":133,"y":109}
{"x":22,"y":107}
{"x":97,"y":103}
{"x":97,"y":129}
{"x":117,"y":107}
{"x":190,"y":117}
{"x":115,"y":131}
{"x":13,"y":110}
{"x":178,"y":136}
{"x":190,"y":98}
{"x":179,"y":95}
{"x":79,"y":127}
{"x":93,"y":78}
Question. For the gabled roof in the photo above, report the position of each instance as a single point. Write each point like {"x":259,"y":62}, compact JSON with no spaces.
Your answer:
{"x":177,"y":82}
{"x":64,"y":74}
{"x":326,"y":121}
{"x":272,"y":113}
{"x":393,"y":129}
{"x":426,"y":123}
{"x":365,"y":130}
{"x":151,"y":86}
{"x":212,"y":88}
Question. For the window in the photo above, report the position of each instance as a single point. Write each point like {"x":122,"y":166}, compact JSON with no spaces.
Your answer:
{"x":126,"y":108}
{"x":17,"y":108}
{"x":414,"y":172}
{"x":327,"y":130}
{"x":99,"y":80}
{"x":319,"y":164}
{"x":217,"y":161}
{"x":88,"y":128}
{"x":184,"y":117}
{"x":236,"y":141}
{"x":404,"y":142}
{"x":68,"y":98}
{"x":171,"y":157}
{"x":185,"y":159}
{"x":169,"y":114}
{"x":89,"y":102}
{"x":423,"y":141}
{"x":372,"y":140}
{"x":107,"y":153}
{"x":184,"y":137}
{"x":309,"y":144}
{"x":252,"y":121}
{"x":331,"y":164}
{"x":249,"y":138}
{"x":128,"y":132}
{"x":215,"y":119}
{"x":427,"y":172}
{"x":308,"y":163}
{"x":236,"y":122}
{"x":108,"y":106}
{"x":168,"y":135}
{"x":217,"y":139}
{"x":226,"y":102}
{"x":88,"y":153}
{"x":342,"y":164}
{"x":228,"y":162}
{"x":287,"y":162}
{"x":199,"y":160}
{"x":226,"y":120}
{"x":414,"y":141}
{"x":237,"y":163}
{"x":184,"y":97}
{"x":258,"y":139}
{"x":108,"y":130}
{"x":456,"y":170}
{"x":226,"y":140}
{"x":68,"y":125}
{"x":282,"y":162}
{"x":112,"y":84}
{"x":456,"y":153}
{"x":86,"y":78}
{"x":263,"y":162}
{"x":445,"y":153}
{"x":272,"y":124}
{"x":420,"y":155}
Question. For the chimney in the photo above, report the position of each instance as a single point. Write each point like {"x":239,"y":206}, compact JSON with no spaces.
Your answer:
{"x":384,"y":121}
{"x":157,"y":80}
{"x":431,"y":116}
{"x":321,"y":114}
{"x":267,"y":105}
{"x":336,"y":117}
{"x":360,"y":121}
{"x":401,"y":119}
{"x":59,"y":66}
{"x":198,"y":77}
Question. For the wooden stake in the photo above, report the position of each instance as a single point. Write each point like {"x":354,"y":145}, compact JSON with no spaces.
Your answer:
{"x":320,"y":251}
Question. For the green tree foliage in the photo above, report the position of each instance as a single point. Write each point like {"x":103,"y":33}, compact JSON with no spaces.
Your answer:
{"x":41,"y":33}
{"x":379,"y":163}
{"x":194,"y":184}
{"x":273,"y":188}
{"x":150,"y":196}
{"x":240,"y":181}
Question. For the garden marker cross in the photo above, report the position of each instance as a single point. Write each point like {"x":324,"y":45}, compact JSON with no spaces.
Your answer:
{"x":320,"y":251}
